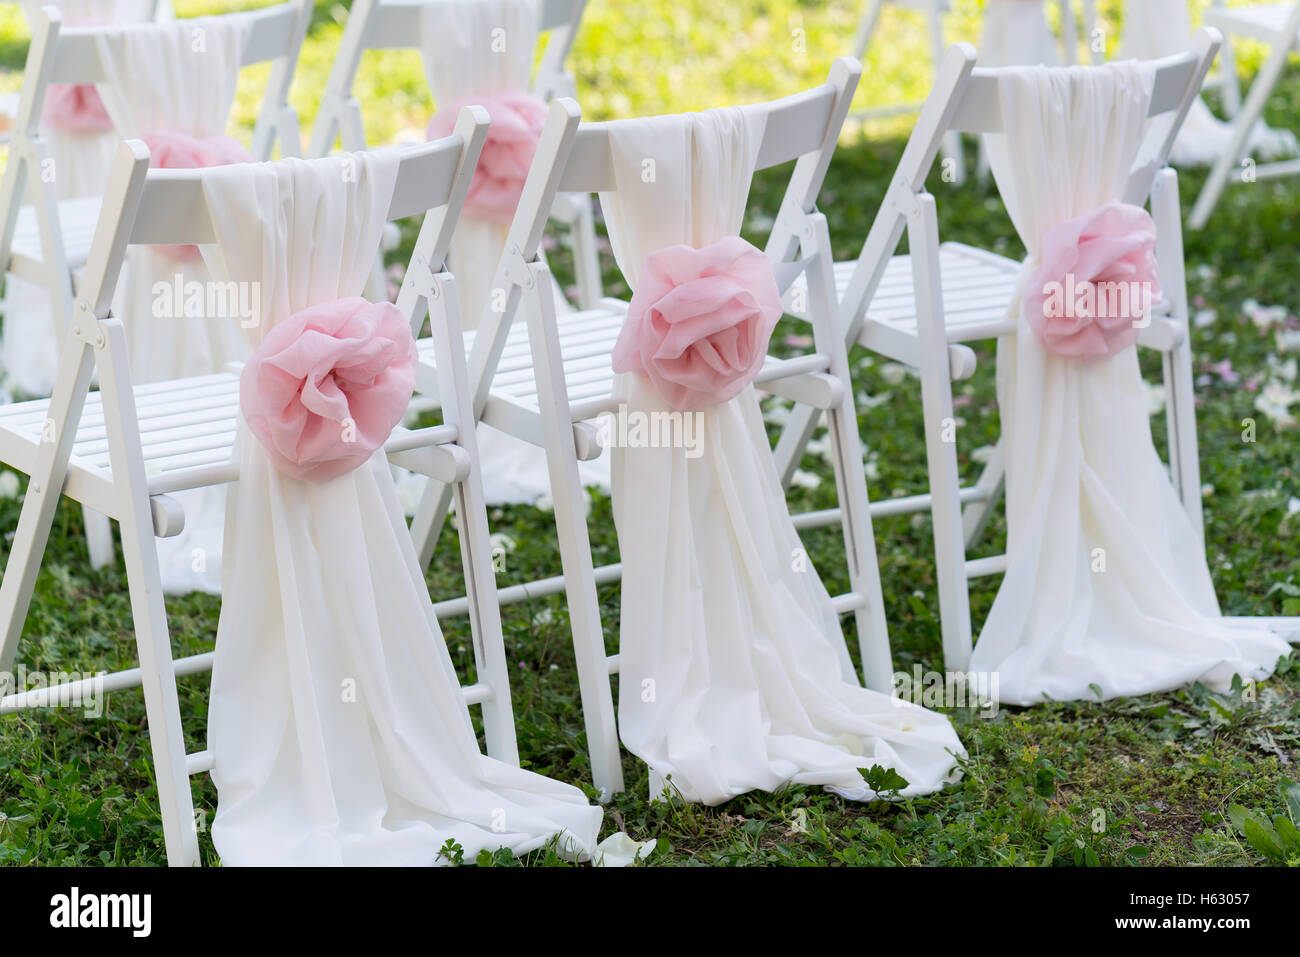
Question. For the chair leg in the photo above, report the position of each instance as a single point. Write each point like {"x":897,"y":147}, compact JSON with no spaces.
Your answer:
{"x":975,"y":516}
{"x":953,"y":157}
{"x":99,"y":538}
{"x":475,"y":544}
{"x":795,"y":436}
{"x":144,"y":580}
{"x":940,"y":438}
{"x":575,"y":544}
{"x":42,"y":498}
{"x":1180,"y":411}
{"x":860,"y":548}
{"x":1242,"y":126}
{"x":1229,"y":82}
{"x":430,"y":515}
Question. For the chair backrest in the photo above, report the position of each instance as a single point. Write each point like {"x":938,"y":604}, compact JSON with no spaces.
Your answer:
{"x":168,"y":207}
{"x":967,"y":99}
{"x":398,"y":25}
{"x":574,"y":157}
{"x":69,"y":54}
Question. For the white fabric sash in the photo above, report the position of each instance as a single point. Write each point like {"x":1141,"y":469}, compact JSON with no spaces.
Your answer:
{"x":81,"y":163}
{"x":734,"y":674}
{"x":177,"y":77}
{"x":339,"y":732}
{"x":1015,"y":33}
{"x":1158,"y":28}
{"x":479,"y":47}
{"x":1107,"y":583}
{"x":476,"y":47}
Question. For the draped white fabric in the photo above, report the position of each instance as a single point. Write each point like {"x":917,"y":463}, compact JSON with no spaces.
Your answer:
{"x":1157,"y":28}
{"x":1016,"y":33}
{"x":477,"y":47}
{"x":473,"y":48}
{"x":1107,"y":583}
{"x":339,"y":732}
{"x":734,"y":673}
{"x":188,"y":87}
{"x":81,"y":163}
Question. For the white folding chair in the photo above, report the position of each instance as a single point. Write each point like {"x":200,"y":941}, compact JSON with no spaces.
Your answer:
{"x":1277,"y":26}
{"x":47,"y":241}
{"x":933,"y":11}
{"x":124,"y":449}
{"x":548,"y":381}
{"x":399,"y":24}
{"x":923,"y":308}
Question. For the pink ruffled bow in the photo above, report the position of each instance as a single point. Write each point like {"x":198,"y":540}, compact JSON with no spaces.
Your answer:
{"x":517,"y":118}
{"x":172,"y":150}
{"x":327,"y":386}
{"x":75,"y":108}
{"x":699,"y":323}
{"x":1092,"y":292}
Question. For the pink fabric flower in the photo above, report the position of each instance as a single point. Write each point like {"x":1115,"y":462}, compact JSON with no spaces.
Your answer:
{"x":1097,"y":279}
{"x":326,"y":386}
{"x":517,"y":118}
{"x":171,"y":150}
{"x":699,"y":323}
{"x":75,"y":108}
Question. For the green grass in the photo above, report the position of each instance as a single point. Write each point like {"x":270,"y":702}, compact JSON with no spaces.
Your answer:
{"x":1148,"y":780}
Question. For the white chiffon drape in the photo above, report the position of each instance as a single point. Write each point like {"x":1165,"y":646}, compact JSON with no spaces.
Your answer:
{"x":1016,"y":33}
{"x":1158,"y":28}
{"x":1107,"y":586}
{"x":734,"y":674}
{"x":339,"y":732}
{"x":81,"y":164}
{"x":189,"y":88}
{"x":473,"y":48}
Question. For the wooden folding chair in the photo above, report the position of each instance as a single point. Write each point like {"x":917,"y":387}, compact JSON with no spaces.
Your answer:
{"x":47,"y":240}
{"x":1277,"y":26}
{"x":923,"y":308}
{"x":398,"y":24}
{"x":123,"y":450}
{"x":548,"y":381}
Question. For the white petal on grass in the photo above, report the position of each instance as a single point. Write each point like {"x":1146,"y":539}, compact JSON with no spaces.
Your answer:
{"x":620,"y":850}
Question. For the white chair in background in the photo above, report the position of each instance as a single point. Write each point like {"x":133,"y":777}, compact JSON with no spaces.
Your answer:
{"x":45,"y":240}
{"x":932,"y":11}
{"x":125,"y":449}
{"x":1277,"y":26}
{"x":922,"y":310}
{"x":549,"y":382}
{"x":457,"y":59}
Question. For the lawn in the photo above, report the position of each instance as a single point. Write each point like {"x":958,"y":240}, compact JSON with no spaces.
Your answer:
{"x":1153,"y":780}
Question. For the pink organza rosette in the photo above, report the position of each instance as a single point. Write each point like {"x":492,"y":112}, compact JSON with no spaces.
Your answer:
{"x":74,"y":108}
{"x":1097,"y":277}
{"x":699,"y":322}
{"x":172,"y":150}
{"x":327,"y":386}
{"x":517,"y":118}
